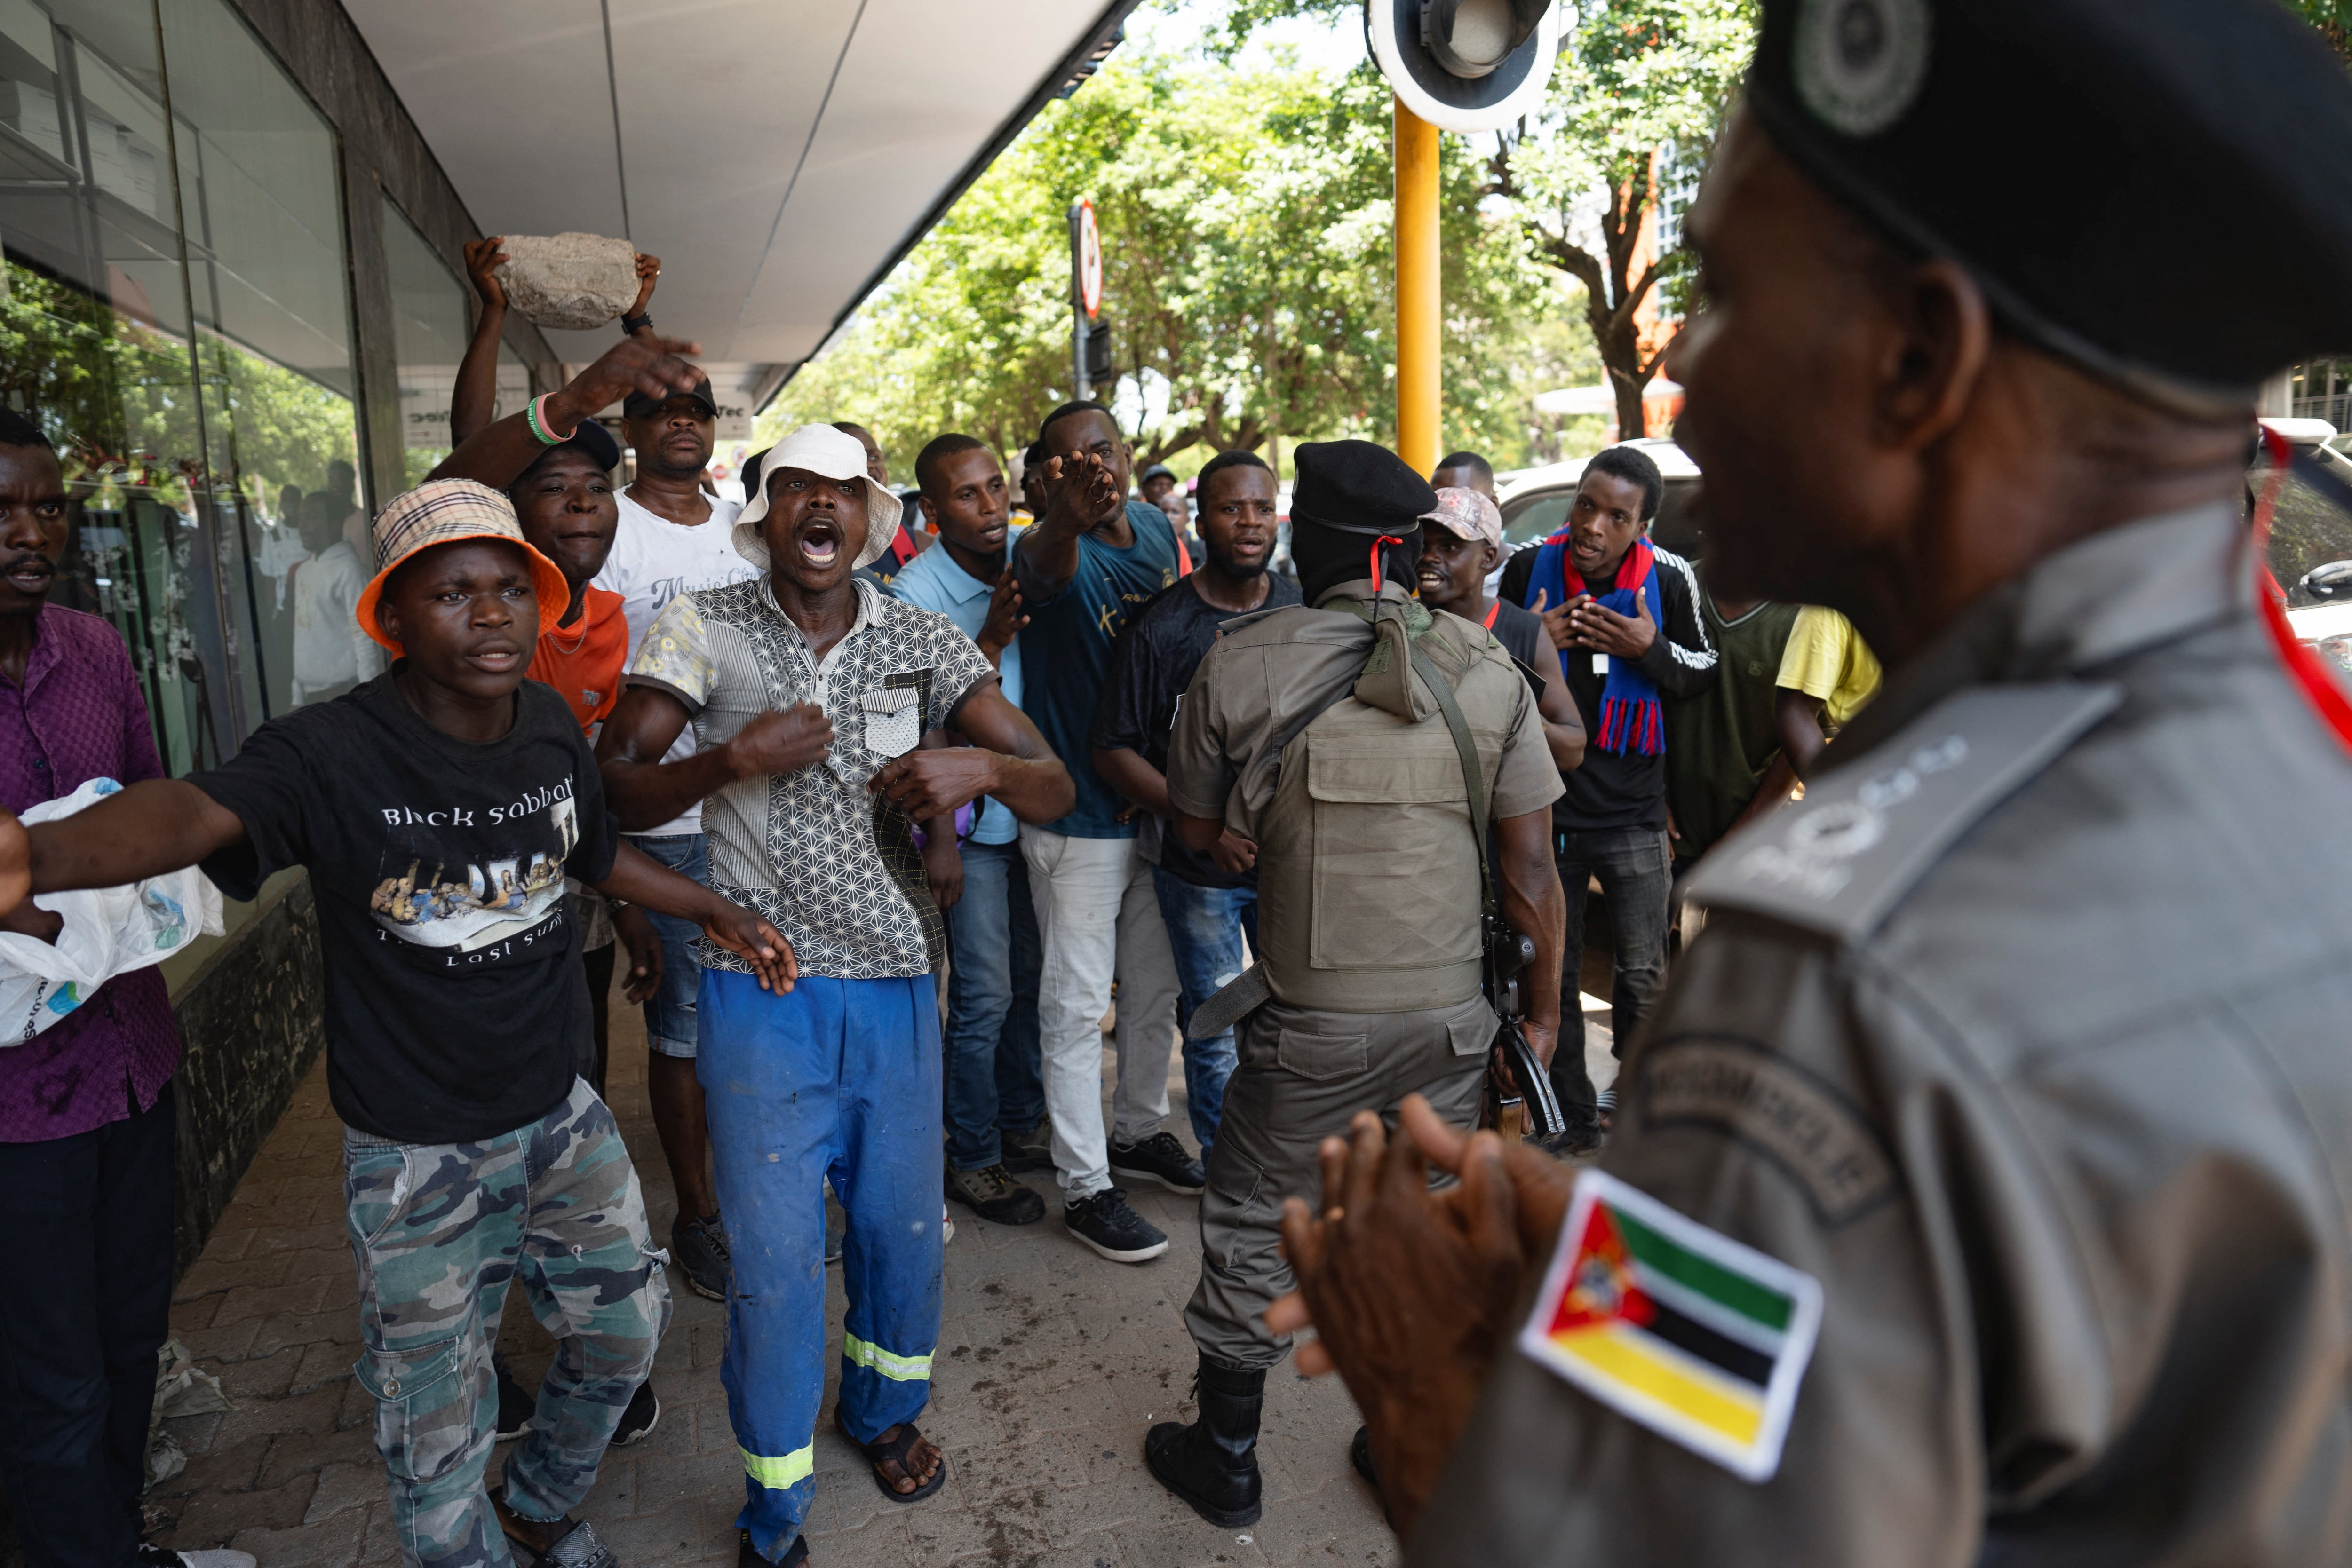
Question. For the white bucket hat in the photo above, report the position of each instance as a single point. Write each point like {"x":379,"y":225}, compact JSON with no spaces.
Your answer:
{"x":837,"y":455}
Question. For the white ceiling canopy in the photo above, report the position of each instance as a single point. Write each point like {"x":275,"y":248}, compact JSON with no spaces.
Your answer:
{"x":778,"y":155}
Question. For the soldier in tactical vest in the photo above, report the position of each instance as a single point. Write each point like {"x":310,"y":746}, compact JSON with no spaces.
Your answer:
{"x":1365,"y":745}
{"x":1979,"y":1186}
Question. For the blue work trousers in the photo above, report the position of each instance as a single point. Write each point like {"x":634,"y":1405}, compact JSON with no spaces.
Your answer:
{"x":1205,"y":926}
{"x":994,"y":1084}
{"x":837,"y":1080}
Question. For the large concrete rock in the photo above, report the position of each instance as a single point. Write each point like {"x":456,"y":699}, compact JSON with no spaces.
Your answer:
{"x":573,"y":281}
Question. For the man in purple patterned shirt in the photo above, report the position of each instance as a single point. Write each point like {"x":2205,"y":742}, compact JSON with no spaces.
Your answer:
{"x":86,"y":1110}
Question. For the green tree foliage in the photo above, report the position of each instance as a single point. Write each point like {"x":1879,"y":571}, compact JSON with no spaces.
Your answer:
{"x":1249,"y":278}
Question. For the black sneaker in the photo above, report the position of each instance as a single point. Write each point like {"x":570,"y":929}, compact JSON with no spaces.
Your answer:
{"x":698,"y":1248}
{"x":1160,"y":1158}
{"x":1032,"y":1150}
{"x":836,"y":1227}
{"x":1104,"y":1222}
{"x":640,"y":1418}
{"x":517,"y":1404}
{"x":993,"y":1195}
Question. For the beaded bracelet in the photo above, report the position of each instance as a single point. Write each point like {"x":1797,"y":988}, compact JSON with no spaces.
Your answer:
{"x":531,"y":417}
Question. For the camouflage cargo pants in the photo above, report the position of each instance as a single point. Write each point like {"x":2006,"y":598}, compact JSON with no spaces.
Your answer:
{"x":437,"y":1231}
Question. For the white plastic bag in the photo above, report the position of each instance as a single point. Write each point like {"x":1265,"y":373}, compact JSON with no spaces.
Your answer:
{"x":108,"y":931}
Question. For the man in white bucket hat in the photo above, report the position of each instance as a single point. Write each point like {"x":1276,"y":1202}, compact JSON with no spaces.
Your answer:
{"x":812,"y":695}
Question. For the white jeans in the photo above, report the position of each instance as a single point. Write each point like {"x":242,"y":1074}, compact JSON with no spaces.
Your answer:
{"x":1097,"y":917}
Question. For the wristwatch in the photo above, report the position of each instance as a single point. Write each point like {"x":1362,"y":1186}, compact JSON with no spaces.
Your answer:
{"x":633,"y":325}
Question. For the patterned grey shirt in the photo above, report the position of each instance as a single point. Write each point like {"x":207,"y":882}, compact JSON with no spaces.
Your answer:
{"x":833,"y":867}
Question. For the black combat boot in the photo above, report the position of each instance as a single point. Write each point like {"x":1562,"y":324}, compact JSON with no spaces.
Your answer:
{"x":1213,"y":1463}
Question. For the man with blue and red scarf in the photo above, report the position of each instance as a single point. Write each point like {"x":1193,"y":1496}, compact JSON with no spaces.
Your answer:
{"x":1625,"y":616}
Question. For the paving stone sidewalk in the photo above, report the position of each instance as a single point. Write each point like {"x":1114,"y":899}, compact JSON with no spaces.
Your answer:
{"x":1051,"y":1365}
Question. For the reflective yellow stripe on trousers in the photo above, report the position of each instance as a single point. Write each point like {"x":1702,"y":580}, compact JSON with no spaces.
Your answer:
{"x":779,"y":1474}
{"x":898,"y":1368}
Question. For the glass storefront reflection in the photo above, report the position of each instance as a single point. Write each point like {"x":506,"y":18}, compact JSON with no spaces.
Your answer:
{"x":175,"y":316}
{"x":431,"y":311}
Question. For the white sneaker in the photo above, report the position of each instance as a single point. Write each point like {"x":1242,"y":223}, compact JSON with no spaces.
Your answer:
{"x":946,"y":1224}
{"x":162,"y":1557}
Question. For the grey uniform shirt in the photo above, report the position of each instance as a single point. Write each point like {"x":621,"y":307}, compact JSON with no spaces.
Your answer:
{"x":2030,"y":1048}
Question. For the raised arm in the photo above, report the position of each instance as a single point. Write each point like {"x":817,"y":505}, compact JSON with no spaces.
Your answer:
{"x":644,"y":791}
{"x":1078,"y":489}
{"x":1007,"y":759}
{"x":474,"y":401}
{"x":496,"y":454}
{"x":151,"y":828}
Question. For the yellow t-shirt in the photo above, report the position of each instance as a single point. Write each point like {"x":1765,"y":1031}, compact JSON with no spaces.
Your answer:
{"x":1826,"y":658}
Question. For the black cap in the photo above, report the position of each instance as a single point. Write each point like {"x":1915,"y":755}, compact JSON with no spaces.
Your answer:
{"x":1157,"y":471}
{"x":1358,"y":488}
{"x":638,"y":404}
{"x":2158,"y":190}
{"x":591,"y":438}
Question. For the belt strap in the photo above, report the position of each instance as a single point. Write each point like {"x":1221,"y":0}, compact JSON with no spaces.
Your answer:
{"x":1473,"y":775}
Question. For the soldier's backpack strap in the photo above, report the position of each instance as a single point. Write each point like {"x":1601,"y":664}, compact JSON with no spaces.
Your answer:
{"x":1473,"y":775}
{"x":1840,"y":860}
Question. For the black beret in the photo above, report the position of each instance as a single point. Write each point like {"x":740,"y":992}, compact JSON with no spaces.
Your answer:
{"x":1358,"y":488}
{"x":2159,"y":190}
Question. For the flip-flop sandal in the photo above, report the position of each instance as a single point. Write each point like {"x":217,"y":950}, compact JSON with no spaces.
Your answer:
{"x":577,"y":1547}
{"x":895,"y":1451}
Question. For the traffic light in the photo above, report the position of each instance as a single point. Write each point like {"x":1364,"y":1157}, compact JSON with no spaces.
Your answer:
{"x":1466,"y":65}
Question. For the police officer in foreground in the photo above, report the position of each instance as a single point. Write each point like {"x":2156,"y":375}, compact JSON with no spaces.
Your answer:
{"x":1980,"y":1192}
{"x":1357,"y":745}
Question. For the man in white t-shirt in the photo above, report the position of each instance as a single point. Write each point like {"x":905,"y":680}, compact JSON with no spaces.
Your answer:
{"x":675,"y":538}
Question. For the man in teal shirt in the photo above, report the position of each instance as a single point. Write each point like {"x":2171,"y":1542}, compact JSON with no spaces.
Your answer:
{"x":994,"y":1106}
{"x":1092,"y":559}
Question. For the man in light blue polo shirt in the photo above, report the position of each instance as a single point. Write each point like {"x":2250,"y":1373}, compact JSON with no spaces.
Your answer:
{"x":995,"y":1103}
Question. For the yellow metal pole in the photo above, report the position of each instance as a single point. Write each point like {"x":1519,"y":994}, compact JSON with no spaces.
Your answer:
{"x":1417,"y":280}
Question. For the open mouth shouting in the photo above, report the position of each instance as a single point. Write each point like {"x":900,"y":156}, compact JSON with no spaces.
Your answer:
{"x":819,"y":541}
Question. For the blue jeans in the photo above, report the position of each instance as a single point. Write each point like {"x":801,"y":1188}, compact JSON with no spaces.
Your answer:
{"x":837,"y":1080}
{"x":670,"y":1014}
{"x":1635,"y":869}
{"x":994,"y":1084}
{"x":1204,"y":930}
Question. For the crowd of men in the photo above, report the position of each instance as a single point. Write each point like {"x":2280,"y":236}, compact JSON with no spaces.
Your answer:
{"x":1936,"y":1222}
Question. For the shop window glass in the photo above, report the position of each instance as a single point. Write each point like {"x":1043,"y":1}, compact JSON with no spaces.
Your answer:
{"x":95,"y":344}
{"x":260,"y":194}
{"x":434,"y":310}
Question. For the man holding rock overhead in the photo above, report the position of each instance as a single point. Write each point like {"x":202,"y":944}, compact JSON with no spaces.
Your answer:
{"x":1979,"y":1189}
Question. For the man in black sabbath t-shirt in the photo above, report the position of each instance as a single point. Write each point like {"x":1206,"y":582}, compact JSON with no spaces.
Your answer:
{"x":437,"y":809}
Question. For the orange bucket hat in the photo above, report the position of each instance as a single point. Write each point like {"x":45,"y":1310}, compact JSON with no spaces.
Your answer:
{"x":443,"y":511}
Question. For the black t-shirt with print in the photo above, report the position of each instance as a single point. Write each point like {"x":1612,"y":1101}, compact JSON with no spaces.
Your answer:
{"x":1154,"y":660}
{"x":455,"y":1009}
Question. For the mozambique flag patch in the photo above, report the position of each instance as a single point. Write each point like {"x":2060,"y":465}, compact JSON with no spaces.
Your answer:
{"x":1697,"y":1337}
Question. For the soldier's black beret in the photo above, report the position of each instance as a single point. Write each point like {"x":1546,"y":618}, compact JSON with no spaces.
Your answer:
{"x":2159,"y":190}
{"x":1358,"y":488}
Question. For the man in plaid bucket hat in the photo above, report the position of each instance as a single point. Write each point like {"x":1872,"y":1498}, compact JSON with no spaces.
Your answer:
{"x":437,"y":809}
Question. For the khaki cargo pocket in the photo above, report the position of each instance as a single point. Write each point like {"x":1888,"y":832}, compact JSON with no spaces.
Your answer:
{"x":1391,"y":846}
{"x":1322,"y":1056}
{"x":1474,"y":1027}
{"x":423,"y":1406}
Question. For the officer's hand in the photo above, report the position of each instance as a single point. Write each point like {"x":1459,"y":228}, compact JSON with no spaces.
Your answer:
{"x":1543,"y":1041}
{"x":1235,"y":856}
{"x":1409,"y":1295}
{"x":782,"y":740}
{"x":1602,"y":629}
